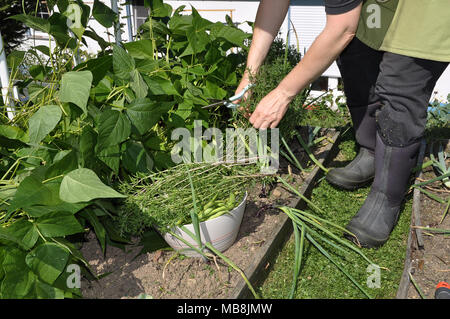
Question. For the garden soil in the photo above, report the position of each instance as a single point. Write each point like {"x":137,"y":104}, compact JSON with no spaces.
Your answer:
{"x":431,"y":265}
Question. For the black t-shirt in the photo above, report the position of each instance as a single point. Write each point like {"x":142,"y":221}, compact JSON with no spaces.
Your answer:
{"x":340,"y":6}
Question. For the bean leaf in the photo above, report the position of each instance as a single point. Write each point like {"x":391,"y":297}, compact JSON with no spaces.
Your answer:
{"x":58,"y":224}
{"x":43,"y":122}
{"x":82,"y":185}
{"x":145,"y":113}
{"x":123,"y":63}
{"x":114,"y":128}
{"x":75,"y":88}
{"x":103,"y":14}
{"x":47,"y":261}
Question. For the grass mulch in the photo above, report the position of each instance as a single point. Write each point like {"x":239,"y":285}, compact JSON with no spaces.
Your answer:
{"x":319,"y":278}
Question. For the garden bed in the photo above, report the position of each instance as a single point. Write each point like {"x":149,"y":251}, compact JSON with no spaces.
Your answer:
{"x":429,"y":262}
{"x":165,"y":274}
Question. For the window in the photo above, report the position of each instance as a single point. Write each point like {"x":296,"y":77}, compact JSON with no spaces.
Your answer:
{"x":140,"y":13}
{"x":42,"y":11}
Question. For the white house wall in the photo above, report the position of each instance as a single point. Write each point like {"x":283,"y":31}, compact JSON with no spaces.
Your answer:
{"x":442,"y":88}
{"x":216,"y":11}
{"x":308,"y":19}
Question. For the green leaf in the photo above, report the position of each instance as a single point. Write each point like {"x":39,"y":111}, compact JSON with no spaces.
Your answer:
{"x":59,"y":30}
{"x":111,"y":157}
{"x":77,"y":14}
{"x":94,"y":36}
{"x":43,"y":49}
{"x":33,"y":22}
{"x":41,"y":210}
{"x":41,"y":290}
{"x":13,"y":133}
{"x":147,"y":66}
{"x":47,"y":261}
{"x":114,"y":128}
{"x":18,"y":280}
{"x":99,"y":230}
{"x":39,"y":72}
{"x":135,"y":159}
{"x":213,"y":91}
{"x":102,"y":90}
{"x":123,"y":63}
{"x":103,"y":14}
{"x":196,"y":34}
{"x":64,"y":161}
{"x":43,"y":122}
{"x":160,"y":86}
{"x":58,"y":224}
{"x":184,"y":109}
{"x":15,"y":58}
{"x":138,"y":84}
{"x":144,"y":113}
{"x":179,"y":24}
{"x":142,"y":49}
{"x":75,"y":88}
{"x":151,"y":241}
{"x":24,"y":232}
{"x":231,"y":34}
{"x":31,"y":191}
{"x":87,"y":142}
{"x":83,"y":185}
{"x":99,"y":67}
{"x":158,"y":8}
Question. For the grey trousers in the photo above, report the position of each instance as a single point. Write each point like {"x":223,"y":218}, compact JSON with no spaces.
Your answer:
{"x":402,"y":87}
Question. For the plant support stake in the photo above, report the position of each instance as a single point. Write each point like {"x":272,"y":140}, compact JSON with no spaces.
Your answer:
{"x":4,"y":79}
{"x":117,"y":31}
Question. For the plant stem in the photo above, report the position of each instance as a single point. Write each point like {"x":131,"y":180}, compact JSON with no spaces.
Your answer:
{"x":310,"y":154}
{"x":416,"y":286}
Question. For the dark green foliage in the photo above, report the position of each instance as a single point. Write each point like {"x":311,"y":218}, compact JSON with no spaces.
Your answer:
{"x":87,"y":127}
{"x":270,"y":74}
{"x":438,"y":121}
{"x":279,"y":49}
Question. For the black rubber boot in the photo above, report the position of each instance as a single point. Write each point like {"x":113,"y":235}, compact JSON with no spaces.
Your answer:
{"x":361,"y":170}
{"x":377,"y":217}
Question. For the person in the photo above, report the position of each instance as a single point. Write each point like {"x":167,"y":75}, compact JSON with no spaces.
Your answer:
{"x":390,"y":54}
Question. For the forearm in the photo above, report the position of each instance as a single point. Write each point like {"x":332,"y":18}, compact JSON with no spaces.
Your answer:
{"x":322,"y":53}
{"x":270,"y":16}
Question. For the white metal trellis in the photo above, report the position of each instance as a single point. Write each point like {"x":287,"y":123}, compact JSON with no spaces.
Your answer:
{"x":117,"y":31}
{"x":4,"y":80}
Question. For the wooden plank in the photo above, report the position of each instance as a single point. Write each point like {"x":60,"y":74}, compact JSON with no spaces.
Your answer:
{"x":416,"y":199}
{"x":414,"y":236}
{"x":258,"y":270}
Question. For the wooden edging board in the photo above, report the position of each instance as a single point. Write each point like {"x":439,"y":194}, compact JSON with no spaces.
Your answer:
{"x":415,"y":235}
{"x":257,"y":271}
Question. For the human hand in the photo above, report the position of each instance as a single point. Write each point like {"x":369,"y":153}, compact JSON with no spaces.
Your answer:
{"x":270,"y":110}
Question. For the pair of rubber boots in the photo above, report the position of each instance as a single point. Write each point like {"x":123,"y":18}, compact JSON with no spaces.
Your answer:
{"x":389,"y":167}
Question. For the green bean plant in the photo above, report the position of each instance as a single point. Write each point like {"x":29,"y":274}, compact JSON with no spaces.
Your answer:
{"x":84,"y":123}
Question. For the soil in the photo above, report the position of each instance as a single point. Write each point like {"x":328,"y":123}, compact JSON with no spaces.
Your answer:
{"x":166,"y":274}
{"x":431,"y":265}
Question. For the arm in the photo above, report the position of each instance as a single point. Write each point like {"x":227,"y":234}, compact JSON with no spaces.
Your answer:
{"x":269,"y":18}
{"x":339,"y":31}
